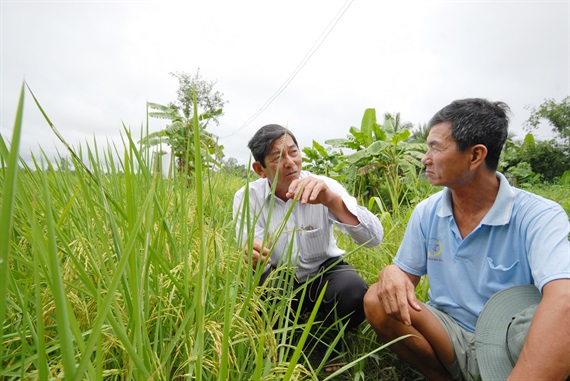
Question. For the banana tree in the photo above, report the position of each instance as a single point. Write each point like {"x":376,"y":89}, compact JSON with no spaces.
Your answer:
{"x":384,"y":164}
{"x":321,"y":160}
{"x":179,"y":134}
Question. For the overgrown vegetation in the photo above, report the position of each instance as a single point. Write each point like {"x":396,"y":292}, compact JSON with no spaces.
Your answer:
{"x":531,"y":162}
{"x":180,"y":132}
{"x":382,"y":167}
{"x":111,"y":271}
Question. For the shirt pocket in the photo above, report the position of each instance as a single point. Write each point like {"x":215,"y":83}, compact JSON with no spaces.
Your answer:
{"x":501,"y":272}
{"x":312,"y":244}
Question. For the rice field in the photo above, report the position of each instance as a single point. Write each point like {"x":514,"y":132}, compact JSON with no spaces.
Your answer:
{"x":111,"y":271}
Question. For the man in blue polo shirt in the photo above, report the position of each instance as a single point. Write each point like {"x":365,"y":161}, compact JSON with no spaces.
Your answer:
{"x":473,"y":239}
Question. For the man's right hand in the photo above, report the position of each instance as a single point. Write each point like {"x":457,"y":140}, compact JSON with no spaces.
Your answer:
{"x":396,"y":292}
{"x":259,"y":253}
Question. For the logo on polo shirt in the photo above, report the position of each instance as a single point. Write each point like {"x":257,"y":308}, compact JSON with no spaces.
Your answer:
{"x":434,"y":248}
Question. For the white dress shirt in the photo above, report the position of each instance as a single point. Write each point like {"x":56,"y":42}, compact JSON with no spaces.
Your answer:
{"x":303,"y":233}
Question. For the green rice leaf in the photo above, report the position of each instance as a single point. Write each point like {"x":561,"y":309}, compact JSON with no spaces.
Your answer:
{"x":6,"y":214}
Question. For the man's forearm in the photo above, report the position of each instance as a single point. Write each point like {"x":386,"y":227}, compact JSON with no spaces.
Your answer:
{"x":545,"y":354}
{"x":340,"y":210}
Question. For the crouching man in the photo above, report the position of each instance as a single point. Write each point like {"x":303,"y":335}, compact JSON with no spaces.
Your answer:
{"x":306,"y":242}
{"x":475,"y":238}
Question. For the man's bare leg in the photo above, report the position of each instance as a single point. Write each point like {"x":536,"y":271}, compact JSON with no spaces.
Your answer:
{"x":427,"y":351}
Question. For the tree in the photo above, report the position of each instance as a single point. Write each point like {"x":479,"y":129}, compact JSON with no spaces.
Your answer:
{"x":232,"y":167}
{"x":179,"y":133}
{"x":557,"y":115}
{"x":396,"y":122}
{"x":530,"y":160}
{"x":420,"y":134}
{"x":208,"y":100}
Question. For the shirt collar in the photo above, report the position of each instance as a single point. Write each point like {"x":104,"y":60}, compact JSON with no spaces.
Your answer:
{"x":267,"y":187}
{"x":500,"y":212}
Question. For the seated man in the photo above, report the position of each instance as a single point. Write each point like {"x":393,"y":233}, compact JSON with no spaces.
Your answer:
{"x":476,"y":237}
{"x":307,"y":237}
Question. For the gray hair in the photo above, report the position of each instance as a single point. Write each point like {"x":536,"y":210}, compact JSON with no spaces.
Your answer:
{"x":477,"y":121}
{"x":261,"y":142}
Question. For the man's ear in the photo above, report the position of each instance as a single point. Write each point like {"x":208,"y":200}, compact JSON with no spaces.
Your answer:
{"x":478,"y":155}
{"x":258,"y":169}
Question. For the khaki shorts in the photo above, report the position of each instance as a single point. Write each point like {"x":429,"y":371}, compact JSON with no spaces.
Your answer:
{"x":465,"y":365}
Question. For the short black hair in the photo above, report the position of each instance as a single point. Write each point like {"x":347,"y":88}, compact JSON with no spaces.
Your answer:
{"x":261,"y":142}
{"x":477,"y":121}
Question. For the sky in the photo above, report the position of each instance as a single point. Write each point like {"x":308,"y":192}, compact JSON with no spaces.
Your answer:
{"x":313,"y":66}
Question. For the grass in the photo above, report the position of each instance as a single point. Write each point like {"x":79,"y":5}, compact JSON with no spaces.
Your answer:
{"x":558,"y":193}
{"x":110,"y":271}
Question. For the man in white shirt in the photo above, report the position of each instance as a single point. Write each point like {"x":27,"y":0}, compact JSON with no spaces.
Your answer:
{"x":292,"y":213}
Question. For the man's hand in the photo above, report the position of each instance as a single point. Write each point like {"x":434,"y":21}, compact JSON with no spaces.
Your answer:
{"x":259,"y":253}
{"x":396,"y":292}
{"x":311,"y":190}
{"x":545,"y":354}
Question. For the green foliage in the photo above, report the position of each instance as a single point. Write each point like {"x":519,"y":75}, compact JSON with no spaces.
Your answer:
{"x":559,"y":193}
{"x":320,"y":160}
{"x":565,"y":179}
{"x":9,"y":176}
{"x":178,"y":135}
{"x":116,"y":273}
{"x":522,"y":175}
{"x":548,"y":159}
{"x":533,"y":161}
{"x":556,"y":114}
{"x":111,"y":272}
{"x":385,"y":165}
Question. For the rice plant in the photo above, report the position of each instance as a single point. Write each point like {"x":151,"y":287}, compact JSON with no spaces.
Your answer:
{"x":111,"y":271}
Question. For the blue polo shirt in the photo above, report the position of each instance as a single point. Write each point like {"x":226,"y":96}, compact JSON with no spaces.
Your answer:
{"x":523,"y":239}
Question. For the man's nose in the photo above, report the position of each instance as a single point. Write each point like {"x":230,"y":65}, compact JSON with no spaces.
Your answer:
{"x":288,"y":161}
{"x":426,"y":160}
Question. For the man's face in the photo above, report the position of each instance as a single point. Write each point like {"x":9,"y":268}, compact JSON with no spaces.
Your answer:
{"x":445,"y":165}
{"x":282,"y":163}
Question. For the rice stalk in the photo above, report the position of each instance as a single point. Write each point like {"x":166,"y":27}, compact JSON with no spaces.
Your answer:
{"x":201,"y":292}
{"x":58,"y":290}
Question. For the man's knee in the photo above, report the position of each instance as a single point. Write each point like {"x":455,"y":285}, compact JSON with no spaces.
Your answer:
{"x":374,"y":312}
{"x":352,"y":288}
{"x":372,"y":306}
{"x":346,"y":285}
{"x":348,"y":293}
